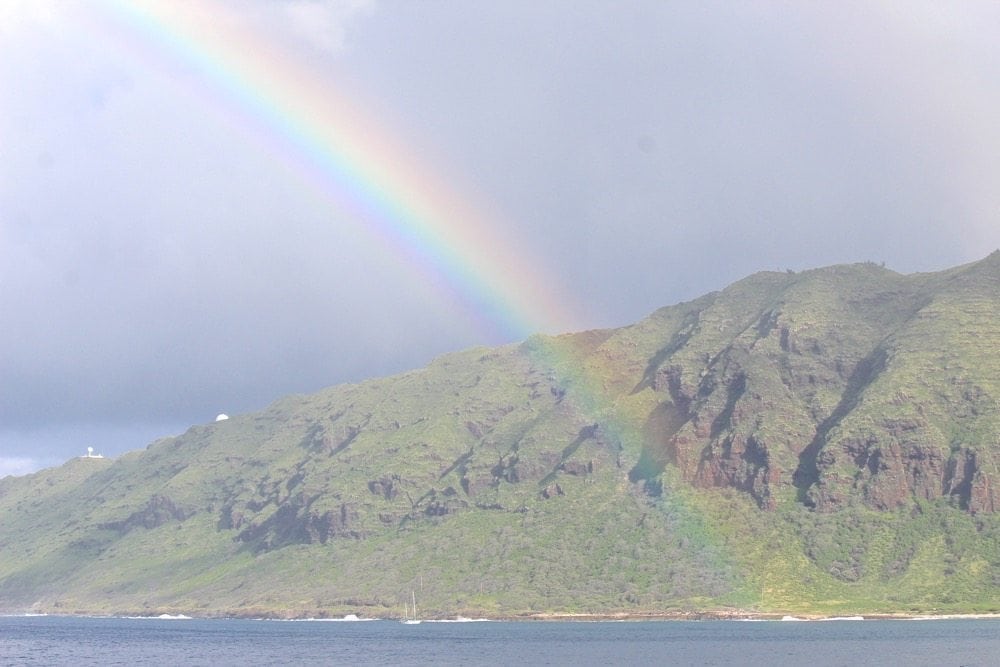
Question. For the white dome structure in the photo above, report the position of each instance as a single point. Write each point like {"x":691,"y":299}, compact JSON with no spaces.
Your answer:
{"x":222,"y":417}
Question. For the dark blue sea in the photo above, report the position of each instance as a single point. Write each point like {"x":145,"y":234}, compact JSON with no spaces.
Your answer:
{"x":54,"y":640}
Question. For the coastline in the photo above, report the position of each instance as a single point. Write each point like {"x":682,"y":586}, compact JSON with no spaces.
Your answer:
{"x":755,"y":616}
{"x":470,"y":616}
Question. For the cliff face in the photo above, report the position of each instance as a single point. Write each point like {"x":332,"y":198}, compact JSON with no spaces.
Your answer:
{"x":845,"y":419}
{"x":842,"y":384}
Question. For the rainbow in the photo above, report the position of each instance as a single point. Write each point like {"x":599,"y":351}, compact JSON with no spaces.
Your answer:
{"x":339,"y":148}
{"x":356,"y":164}
{"x":359,"y":168}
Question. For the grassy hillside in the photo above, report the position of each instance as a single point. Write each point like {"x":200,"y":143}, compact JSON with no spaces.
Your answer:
{"x":823,"y":441}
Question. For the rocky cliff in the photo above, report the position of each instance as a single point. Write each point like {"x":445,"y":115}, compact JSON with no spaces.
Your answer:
{"x":844,"y":384}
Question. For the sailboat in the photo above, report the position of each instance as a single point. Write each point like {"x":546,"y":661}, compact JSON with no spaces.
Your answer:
{"x":408,"y":620}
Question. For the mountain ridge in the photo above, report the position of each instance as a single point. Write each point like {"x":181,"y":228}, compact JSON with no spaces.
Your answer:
{"x":823,"y":440}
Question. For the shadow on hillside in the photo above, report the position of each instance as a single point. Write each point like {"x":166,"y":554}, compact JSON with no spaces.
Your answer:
{"x":658,"y":449}
{"x":807,"y":473}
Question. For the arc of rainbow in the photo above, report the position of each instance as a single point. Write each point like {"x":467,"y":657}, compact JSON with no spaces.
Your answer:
{"x":451,"y":242}
{"x":342,"y":151}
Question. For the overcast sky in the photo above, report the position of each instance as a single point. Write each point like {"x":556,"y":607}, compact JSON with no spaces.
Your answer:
{"x":167,"y":252}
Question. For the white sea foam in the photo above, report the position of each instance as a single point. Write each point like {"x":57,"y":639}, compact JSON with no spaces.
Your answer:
{"x":349,"y":618}
{"x":954,"y":617}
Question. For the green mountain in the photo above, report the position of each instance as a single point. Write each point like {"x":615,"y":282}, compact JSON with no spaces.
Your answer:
{"x":825,"y":441}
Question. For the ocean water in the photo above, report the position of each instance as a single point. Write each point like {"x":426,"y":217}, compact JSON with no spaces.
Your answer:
{"x":52,"y":640}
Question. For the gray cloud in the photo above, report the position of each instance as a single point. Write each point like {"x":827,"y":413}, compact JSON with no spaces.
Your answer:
{"x":160,"y":263}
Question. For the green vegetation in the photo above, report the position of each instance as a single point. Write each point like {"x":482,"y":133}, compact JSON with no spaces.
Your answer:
{"x":819,"y":442}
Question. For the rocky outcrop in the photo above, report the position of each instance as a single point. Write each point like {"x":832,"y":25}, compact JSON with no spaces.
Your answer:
{"x":708,"y":430}
{"x":967,"y":481}
{"x":157,"y":511}
{"x":577,"y":468}
{"x":742,"y":463}
{"x":551,"y":491}
{"x":507,"y":470}
{"x":386,"y":486}
{"x":295,"y":522}
{"x":437,"y":503}
{"x":899,"y":465}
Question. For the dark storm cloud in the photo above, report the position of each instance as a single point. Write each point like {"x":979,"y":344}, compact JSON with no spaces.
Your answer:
{"x":158,"y":266}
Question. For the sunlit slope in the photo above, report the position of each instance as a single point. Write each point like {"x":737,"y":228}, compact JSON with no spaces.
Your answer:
{"x":823,"y":440}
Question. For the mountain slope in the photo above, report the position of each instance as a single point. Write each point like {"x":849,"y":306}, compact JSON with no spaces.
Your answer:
{"x":824,"y":440}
